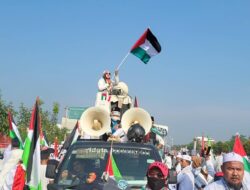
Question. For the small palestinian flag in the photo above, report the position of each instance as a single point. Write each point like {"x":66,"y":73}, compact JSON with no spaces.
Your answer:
{"x":239,"y":149}
{"x":14,"y":133}
{"x":146,"y":47}
{"x":111,"y":167}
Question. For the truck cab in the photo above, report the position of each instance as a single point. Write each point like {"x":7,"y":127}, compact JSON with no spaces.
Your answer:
{"x":131,"y":159}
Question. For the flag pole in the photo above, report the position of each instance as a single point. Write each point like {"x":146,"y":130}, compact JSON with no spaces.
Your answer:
{"x":123,"y":61}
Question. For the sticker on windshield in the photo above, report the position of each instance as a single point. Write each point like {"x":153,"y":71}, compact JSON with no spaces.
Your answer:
{"x":149,"y":161}
{"x":122,"y":184}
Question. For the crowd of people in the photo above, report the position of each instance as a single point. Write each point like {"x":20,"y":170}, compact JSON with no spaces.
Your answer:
{"x":192,"y":171}
{"x":221,"y":172}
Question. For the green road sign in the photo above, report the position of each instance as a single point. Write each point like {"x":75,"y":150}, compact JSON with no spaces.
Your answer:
{"x":75,"y":112}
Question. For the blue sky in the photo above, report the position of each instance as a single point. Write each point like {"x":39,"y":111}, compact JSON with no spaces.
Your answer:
{"x":198,"y":84}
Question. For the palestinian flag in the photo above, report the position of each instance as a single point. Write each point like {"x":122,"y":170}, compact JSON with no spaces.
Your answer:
{"x":14,"y":133}
{"x":44,"y":142}
{"x":72,"y":137}
{"x":239,"y":149}
{"x":31,"y":155}
{"x":111,"y":167}
{"x":146,"y":47}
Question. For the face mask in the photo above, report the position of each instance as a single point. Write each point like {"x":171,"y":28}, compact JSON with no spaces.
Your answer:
{"x":155,"y":183}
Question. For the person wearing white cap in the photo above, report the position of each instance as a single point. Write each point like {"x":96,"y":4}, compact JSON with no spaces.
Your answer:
{"x":105,"y":87}
{"x":105,"y":83}
{"x":178,"y":163}
{"x":185,"y":179}
{"x":233,"y":171}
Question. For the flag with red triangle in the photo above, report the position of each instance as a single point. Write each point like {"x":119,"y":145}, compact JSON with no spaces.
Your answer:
{"x":72,"y":137}
{"x":239,"y":149}
{"x":14,"y":133}
{"x":111,"y":167}
{"x":32,"y":155}
{"x":146,"y":47}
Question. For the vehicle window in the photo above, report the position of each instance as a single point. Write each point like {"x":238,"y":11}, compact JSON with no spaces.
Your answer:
{"x":132,"y":164}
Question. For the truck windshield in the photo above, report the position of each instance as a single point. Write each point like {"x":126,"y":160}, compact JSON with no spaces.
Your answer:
{"x":128,"y":163}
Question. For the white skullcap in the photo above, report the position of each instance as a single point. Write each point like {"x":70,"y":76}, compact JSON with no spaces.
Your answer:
{"x":186,"y":157}
{"x":232,"y":157}
{"x":179,"y":155}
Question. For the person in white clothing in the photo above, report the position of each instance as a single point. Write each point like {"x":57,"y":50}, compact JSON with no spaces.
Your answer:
{"x":105,"y":89}
{"x":233,"y":170}
{"x":45,"y":153}
{"x":12,"y":161}
{"x":105,"y":83}
{"x":185,"y":179}
{"x":209,"y":164}
{"x":168,"y":160}
{"x":218,"y":162}
{"x":178,"y":163}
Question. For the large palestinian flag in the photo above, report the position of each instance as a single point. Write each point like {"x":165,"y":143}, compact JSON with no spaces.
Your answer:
{"x":146,"y":47}
{"x":31,"y":155}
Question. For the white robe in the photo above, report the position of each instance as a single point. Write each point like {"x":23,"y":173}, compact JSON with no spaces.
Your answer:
{"x":185,"y":179}
{"x":11,"y":162}
{"x":219,"y":185}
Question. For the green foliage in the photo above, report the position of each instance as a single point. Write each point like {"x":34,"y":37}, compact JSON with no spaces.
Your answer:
{"x":220,"y":146}
{"x":4,"y":108}
{"x":48,"y":120}
{"x":246,"y":146}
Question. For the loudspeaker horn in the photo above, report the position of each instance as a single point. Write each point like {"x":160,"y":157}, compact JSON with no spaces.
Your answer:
{"x":136,"y":115}
{"x":95,"y":121}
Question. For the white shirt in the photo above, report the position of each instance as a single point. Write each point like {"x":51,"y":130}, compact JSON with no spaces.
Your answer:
{"x":102,"y":85}
{"x":221,"y":185}
{"x":168,"y":162}
{"x":185,"y":179}
{"x":218,"y":163}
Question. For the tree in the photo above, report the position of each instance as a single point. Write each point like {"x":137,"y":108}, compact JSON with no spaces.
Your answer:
{"x":4,"y":108}
{"x":48,"y":120}
{"x":23,"y":120}
{"x":246,"y":146}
